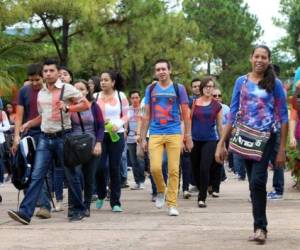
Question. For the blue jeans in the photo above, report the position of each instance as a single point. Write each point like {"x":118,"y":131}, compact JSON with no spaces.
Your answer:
{"x":258,"y":175}
{"x":75,"y":200}
{"x":47,"y":150}
{"x":113,"y":152}
{"x":44,"y":198}
{"x":124,"y":172}
{"x":1,"y":163}
{"x":138,"y":164}
{"x":186,"y":170}
{"x":278,"y":172}
{"x":164,"y":171}
{"x":239,"y":165}
{"x":59,"y":175}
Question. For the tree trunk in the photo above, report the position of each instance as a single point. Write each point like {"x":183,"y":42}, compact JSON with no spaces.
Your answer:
{"x":208,"y":66}
{"x":65,"y":42}
{"x":134,"y":81}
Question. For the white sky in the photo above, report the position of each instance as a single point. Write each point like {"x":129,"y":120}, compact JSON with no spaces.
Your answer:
{"x":265,"y":10}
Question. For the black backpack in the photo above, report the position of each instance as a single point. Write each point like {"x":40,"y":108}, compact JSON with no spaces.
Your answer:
{"x":23,"y":161}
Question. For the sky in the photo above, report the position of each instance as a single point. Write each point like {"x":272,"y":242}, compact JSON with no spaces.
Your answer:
{"x":265,"y":10}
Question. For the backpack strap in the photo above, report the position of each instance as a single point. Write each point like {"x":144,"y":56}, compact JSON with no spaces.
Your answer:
{"x":121,"y":106}
{"x":152,"y":86}
{"x":61,"y":114}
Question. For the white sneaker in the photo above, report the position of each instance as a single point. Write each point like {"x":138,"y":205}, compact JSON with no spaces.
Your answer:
{"x":58,"y":207}
{"x":160,"y":200}
{"x":142,"y":186}
{"x":186,"y":194}
{"x":173,"y":211}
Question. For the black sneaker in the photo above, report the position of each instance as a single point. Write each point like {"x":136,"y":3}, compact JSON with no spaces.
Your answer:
{"x":125,"y":185}
{"x":76,"y":217}
{"x":87,"y":213}
{"x":17,"y":216}
{"x":0,"y":198}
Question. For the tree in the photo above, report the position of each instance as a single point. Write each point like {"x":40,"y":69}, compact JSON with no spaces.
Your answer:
{"x":230,"y":29}
{"x":140,"y":32}
{"x":290,"y":9}
{"x":58,"y":21}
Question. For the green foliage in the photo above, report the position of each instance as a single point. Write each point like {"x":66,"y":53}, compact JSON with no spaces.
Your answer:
{"x":294,"y":165}
{"x":230,"y":29}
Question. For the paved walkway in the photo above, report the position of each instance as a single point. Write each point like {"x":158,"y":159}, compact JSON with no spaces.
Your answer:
{"x":225,"y":224}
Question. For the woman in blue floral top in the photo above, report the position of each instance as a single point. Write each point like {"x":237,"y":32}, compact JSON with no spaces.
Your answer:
{"x":262,"y":107}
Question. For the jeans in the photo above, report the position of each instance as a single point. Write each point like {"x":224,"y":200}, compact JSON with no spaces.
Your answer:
{"x":47,"y":150}
{"x":76,"y":205}
{"x":239,"y":166}
{"x":1,"y":163}
{"x":257,"y":175}
{"x":124,"y":171}
{"x":59,"y":175}
{"x":88,"y":172}
{"x":137,"y":163}
{"x":164,"y":172}
{"x":113,"y":151}
{"x":45,"y":196}
{"x":202,"y":156}
{"x":186,"y":169}
{"x":172,"y":144}
{"x":278,"y":172}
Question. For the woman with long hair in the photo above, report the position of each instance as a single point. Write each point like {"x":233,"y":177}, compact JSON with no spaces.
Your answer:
{"x":114,"y":106}
{"x":206,"y":114}
{"x":258,"y":104}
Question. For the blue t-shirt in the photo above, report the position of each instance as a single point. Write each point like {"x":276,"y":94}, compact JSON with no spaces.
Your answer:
{"x":296,"y":79}
{"x":204,"y":121}
{"x":258,"y":109}
{"x":1,"y":104}
{"x":165,"y":112}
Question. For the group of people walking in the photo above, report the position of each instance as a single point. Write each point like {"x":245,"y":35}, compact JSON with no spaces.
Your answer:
{"x":171,"y":132}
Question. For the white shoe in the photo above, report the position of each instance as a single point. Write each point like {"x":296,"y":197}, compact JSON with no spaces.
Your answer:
{"x":160,"y":200}
{"x":58,"y":207}
{"x":142,"y":186}
{"x":186,"y":194}
{"x":173,"y":211}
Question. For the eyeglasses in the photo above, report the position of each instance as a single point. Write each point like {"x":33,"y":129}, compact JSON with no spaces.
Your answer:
{"x":209,"y":86}
{"x":217,"y":95}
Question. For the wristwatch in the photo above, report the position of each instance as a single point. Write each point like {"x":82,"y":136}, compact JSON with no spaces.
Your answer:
{"x":67,"y":108}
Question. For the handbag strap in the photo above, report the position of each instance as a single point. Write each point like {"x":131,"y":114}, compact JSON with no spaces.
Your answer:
{"x":81,"y":123}
{"x":61,"y":112}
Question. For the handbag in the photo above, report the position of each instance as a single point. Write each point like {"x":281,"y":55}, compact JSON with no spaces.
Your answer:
{"x":77,"y":148}
{"x":248,"y":142}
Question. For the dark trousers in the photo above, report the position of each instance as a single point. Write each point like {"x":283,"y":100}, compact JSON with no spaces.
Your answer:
{"x":113,"y":152}
{"x":258,"y":175}
{"x":186,"y":169}
{"x":138,"y":164}
{"x":202,"y":156}
{"x":215,"y":176}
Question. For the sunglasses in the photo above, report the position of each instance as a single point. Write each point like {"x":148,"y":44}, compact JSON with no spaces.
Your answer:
{"x":217,"y":95}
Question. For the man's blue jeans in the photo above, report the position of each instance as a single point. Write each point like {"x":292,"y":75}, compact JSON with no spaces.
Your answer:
{"x":138,"y":164}
{"x":123,"y":170}
{"x":239,"y":165}
{"x":278,"y":172}
{"x":47,"y":149}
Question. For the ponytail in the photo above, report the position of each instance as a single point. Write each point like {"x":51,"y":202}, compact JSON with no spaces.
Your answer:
{"x":268,"y":81}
